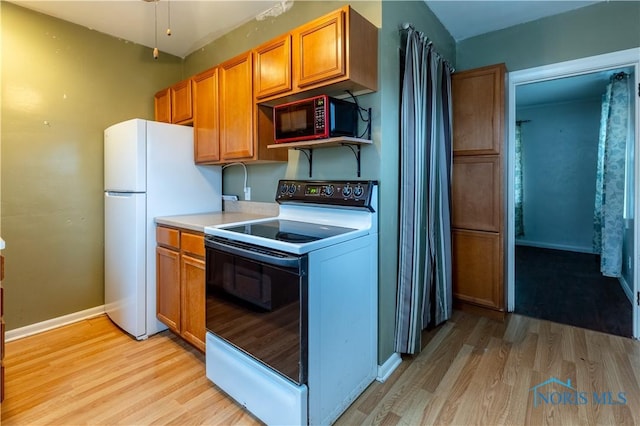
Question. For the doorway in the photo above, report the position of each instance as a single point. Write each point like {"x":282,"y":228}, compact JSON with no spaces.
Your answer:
{"x":568,"y":244}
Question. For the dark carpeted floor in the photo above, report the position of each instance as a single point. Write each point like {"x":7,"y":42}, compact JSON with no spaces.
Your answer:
{"x":567,"y":287}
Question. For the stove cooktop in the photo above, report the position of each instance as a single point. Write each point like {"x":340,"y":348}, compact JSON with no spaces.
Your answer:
{"x":289,"y":231}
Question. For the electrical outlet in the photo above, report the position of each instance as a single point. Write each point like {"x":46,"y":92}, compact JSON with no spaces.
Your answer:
{"x":247,"y":194}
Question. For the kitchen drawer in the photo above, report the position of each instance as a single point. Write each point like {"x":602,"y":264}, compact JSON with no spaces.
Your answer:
{"x":168,"y":237}
{"x":193,"y":244}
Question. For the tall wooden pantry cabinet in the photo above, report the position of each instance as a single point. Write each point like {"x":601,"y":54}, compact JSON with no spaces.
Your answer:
{"x":478,"y":205}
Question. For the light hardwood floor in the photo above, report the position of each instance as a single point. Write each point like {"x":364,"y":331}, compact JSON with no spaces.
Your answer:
{"x":472,"y":371}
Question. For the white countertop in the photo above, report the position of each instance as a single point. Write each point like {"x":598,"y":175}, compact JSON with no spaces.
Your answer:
{"x":197,"y":222}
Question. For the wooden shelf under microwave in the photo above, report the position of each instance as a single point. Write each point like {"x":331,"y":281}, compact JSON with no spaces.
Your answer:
{"x":322,"y":143}
{"x":307,"y":147}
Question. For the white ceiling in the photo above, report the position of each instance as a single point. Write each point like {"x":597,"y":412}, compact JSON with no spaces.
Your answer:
{"x":193,"y":23}
{"x":197,"y":23}
{"x":464,"y":18}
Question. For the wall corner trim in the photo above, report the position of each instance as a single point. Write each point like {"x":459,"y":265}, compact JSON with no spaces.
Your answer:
{"x":388,"y":367}
{"x":52,"y":323}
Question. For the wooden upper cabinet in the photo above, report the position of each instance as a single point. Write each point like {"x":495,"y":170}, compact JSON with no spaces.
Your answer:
{"x":331,"y":54}
{"x":181,"y":102}
{"x":174,"y":104}
{"x":236,"y":108}
{"x":478,"y":115}
{"x":162,"y":105}
{"x":321,"y":49}
{"x":272,"y":67}
{"x":206,"y":123}
{"x":340,"y":48}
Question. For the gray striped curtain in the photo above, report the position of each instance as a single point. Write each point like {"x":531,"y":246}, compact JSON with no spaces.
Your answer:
{"x":424,"y":270}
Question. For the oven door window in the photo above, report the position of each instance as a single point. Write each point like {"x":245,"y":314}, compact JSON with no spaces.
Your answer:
{"x":260,"y":309}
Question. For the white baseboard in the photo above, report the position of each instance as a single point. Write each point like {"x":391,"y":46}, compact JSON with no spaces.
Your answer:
{"x":627,"y":290}
{"x":52,"y":323}
{"x":389,"y":366}
{"x":565,"y":247}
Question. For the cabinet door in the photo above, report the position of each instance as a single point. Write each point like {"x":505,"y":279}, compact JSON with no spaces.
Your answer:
{"x":181,"y":102}
{"x":272,"y":67}
{"x":320,"y":49}
{"x":168,"y":287}
{"x":477,"y":269}
{"x":162,"y":105}
{"x":206,"y":123}
{"x":476,"y":195}
{"x":478,"y":114}
{"x":193,"y":301}
{"x":236,"y":108}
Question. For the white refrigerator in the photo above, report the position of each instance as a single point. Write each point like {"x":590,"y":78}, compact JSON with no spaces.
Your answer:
{"x":149,"y":171}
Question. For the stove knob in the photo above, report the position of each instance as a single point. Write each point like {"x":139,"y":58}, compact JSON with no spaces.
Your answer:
{"x":329,"y":190}
{"x":358,"y":191}
{"x":292,"y":189}
{"x":284,"y":188}
{"x":346,"y":191}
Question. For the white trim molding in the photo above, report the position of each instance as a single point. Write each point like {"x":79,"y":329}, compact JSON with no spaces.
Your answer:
{"x":607,"y":61}
{"x":52,"y":323}
{"x":385,"y":370}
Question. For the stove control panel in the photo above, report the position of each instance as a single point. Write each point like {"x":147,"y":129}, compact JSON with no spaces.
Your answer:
{"x":352,"y":194}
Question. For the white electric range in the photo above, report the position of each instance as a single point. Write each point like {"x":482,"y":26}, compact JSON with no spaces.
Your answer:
{"x":292,"y":303}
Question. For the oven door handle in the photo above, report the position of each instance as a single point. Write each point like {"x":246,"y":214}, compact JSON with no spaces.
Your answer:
{"x":259,"y":255}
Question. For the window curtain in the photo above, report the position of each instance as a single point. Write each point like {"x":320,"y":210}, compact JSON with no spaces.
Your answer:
{"x":519,"y":196}
{"x":424,"y":294}
{"x":610,"y":177}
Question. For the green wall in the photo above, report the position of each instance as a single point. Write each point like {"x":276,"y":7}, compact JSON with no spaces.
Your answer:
{"x":593,"y":30}
{"x":62,"y":85}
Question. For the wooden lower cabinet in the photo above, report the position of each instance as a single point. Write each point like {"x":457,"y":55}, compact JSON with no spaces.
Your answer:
{"x":180,"y":283}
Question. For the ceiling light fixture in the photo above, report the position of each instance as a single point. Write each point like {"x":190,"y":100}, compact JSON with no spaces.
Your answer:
{"x":169,"y":17}
{"x":155,"y":49}
{"x":155,"y":14}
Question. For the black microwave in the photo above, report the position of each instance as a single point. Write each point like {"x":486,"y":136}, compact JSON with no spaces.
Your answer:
{"x":319,"y":117}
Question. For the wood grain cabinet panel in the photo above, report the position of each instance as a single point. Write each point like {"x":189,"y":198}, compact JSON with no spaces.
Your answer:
{"x":206,"y":121}
{"x":162,"y":105}
{"x":476,"y":196}
{"x":478,"y":114}
{"x":168,"y":287}
{"x":193,"y":301}
{"x":236,"y":108}
{"x":477,"y":270}
{"x":182,"y":102}
{"x":336,"y":52}
{"x":321,"y":49}
{"x":477,"y":190}
{"x":272,"y":67}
